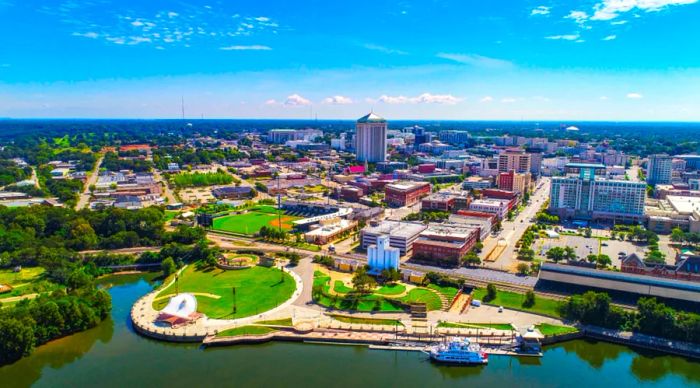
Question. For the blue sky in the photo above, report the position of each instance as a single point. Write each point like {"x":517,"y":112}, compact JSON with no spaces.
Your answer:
{"x":430,"y":59}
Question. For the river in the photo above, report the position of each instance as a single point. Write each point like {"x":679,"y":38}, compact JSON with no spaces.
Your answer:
{"x":113,"y":355}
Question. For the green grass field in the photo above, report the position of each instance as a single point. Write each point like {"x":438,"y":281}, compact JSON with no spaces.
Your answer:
{"x":250,"y":223}
{"x":28,"y":281}
{"x":449,"y":292}
{"x":367,"y":321}
{"x":391,"y":289}
{"x":245,"y":330}
{"x":549,"y":329}
{"x":422,"y":295}
{"x":514,"y":300}
{"x":340,"y":287}
{"x":496,"y":326}
{"x":258,"y":289}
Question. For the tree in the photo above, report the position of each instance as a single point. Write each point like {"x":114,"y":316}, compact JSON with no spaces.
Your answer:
{"x":592,"y":258}
{"x":570,"y":253}
{"x":523,"y":269}
{"x":677,"y":235}
{"x":471,"y":258}
{"x":555,"y":254}
{"x":529,"y":299}
{"x":491,"y":292}
{"x":16,"y":340}
{"x":362,"y":282}
{"x":391,"y":275}
{"x":168,"y":266}
{"x":655,"y":256}
{"x":604,"y":260}
{"x":587,"y":232}
{"x":526,"y":254}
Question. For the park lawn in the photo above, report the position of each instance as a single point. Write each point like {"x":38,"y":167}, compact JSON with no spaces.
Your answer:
{"x":423,"y":295}
{"x":449,"y":292}
{"x":246,"y":330}
{"x":549,"y":329}
{"x":366,"y":321}
{"x":495,"y":326}
{"x":513,"y":300}
{"x":341,"y":288}
{"x":276,"y":322}
{"x":250,"y":223}
{"x":258,"y":289}
{"x":391,"y":289}
{"x":171,"y":214}
{"x":28,"y":281}
{"x":362,"y":303}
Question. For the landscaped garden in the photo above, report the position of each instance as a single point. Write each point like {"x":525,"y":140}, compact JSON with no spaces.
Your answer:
{"x":513,"y":300}
{"x":250,"y":222}
{"x":390,"y":297}
{"x":246,"y":330}
{"x":366,"y":321}
{"x":258,"y":289}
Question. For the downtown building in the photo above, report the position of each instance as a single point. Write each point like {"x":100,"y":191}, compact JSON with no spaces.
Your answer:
{"x":659,"y":169}
{"x":514,"y":160}
{"x":590,"y":198}
{"x":370,"y":139}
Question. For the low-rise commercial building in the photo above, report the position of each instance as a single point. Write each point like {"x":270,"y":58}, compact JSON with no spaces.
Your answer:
{"x":401,"y":234}
{"x":329,"y":230}
{"x":405,"y":193}
{"x":439,"y":202}
{"x":498,"y":207}
{"x":445,"y":244}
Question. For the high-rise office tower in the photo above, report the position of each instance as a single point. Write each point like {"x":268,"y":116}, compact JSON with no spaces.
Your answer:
{"x":370,"y":138}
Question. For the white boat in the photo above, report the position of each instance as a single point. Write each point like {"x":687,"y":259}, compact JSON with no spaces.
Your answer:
{"x":458,"y":351}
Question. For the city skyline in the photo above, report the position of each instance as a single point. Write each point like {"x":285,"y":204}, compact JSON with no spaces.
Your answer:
{"x":537,"y":60}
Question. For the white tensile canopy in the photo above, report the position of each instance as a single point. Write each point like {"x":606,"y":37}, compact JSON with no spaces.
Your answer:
{"x":181,"y":306}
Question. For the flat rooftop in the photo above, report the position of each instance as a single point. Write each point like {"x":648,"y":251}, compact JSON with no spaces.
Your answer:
{"x":684,"y":205}
{"x":396,"y":228}
{"x":405,"y":186}
{"x":585,"y":165}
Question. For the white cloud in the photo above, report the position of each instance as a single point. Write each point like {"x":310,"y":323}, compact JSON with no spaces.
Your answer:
{"x":477,"y":60}
{"x":611,"y":9}
{"x":610,"y":37}
{"x":255,"y":47}
{"x":173,"y":14}
{"x":579,"y":17}
{"x":564,"y":37}
{"x":604,"y":98}
{"x":508,"y":100}
{"x":337,"y":100}
{"x":618,"y":22}
{"x":271,"y":101}
{"x":487,"y":99}
{"x":296,"y":100}
{"x":425,"y":98}
{"x":385,"y":50}
{"x":541,"y":10}
{"x":91,"y":35}
{"x":634,"y":96}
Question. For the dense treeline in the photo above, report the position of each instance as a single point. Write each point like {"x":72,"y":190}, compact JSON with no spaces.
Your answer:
{"x":11,"y":173}
{"x":194,"y":157}
{"x":199,"y":179}
{"x":41,"y":235}
{"x":34,"y":322}
{"x":112,"y":162}
{"x":652,"y":317}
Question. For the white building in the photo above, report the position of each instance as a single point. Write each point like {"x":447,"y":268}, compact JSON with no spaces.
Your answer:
{"x":382,"y":256}
{"x":370,"y":139}
{"x":499,"y":207}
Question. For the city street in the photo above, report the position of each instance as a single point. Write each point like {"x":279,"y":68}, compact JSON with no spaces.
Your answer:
{"x":513,"y":230}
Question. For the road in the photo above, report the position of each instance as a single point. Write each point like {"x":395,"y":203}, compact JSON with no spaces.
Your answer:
{"x":169,"y":196}
{"x":84,"y":198}
{"x":513,"y":230}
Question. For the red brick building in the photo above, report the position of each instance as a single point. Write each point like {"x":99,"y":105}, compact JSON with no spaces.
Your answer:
{"x":438,"y":201}
{"x":426,"y":168}
{"x":405,"y":193}
{"x":351,"y":193}
{"x":686,"y":268}
{"x":443,"y":245}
